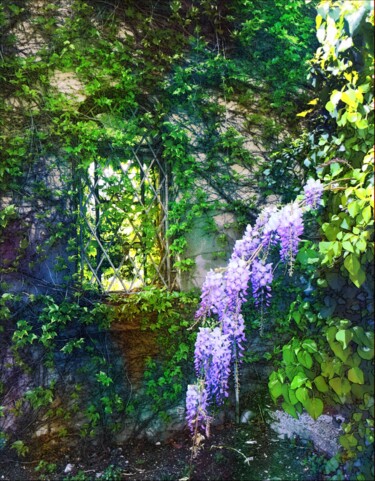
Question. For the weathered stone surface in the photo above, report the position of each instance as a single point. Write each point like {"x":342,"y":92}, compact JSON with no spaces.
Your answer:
{"x":322,"y":432}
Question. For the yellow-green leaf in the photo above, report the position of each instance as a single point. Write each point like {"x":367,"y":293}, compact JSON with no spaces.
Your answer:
{"x":355,"y":374}
{"x":320,"y":384}
{"x":314,"y":407}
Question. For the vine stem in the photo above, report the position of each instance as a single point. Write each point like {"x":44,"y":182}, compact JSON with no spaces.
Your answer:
{"x":236,"y":384}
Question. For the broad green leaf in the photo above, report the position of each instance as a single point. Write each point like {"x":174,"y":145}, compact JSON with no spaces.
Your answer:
{"x":339,"y":351}
{"x":305,"y":359}
{"x":320,"y":384}
{"x":275,"y":388}
{"x":352,"y":264}
{"x":354,"y":116}
{"x":328,"y":369}
{"x":367,"y":214}
{"x":314,"y":407}
{"x":344,"y":336}
{"x":350,"y":98}
{"x":341,"y":386}
{"x":355,"y":374}
{"x":348,"y":441}
{"x":354,"y":360}
{"x":302,"y":394}
{"x":292,"y":396}
{"x":365,"y":352}
{"x":291,"y":370}
{"x":362,"y":124}
{"x":359,"y":335}
{"x":348,"y":246}
{"x":331,"y":333}
{"x":361,"y":245}
{"x":354,"y":208}
{"x":288,"y":355}
{"x":298,"y":380}
{"x":310,"y":345}
{"x":288,"y":408}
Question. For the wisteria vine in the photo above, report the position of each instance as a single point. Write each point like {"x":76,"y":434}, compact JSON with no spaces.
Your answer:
{"x":219,"y":343}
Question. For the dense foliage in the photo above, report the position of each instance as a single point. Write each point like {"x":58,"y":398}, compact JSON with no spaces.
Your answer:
{"x":82,"y":86}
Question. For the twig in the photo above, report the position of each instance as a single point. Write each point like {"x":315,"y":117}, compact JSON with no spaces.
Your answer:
{"x":247,"y":459}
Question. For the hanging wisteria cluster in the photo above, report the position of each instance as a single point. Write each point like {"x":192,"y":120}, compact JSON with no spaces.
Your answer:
{"x":219,"y":343}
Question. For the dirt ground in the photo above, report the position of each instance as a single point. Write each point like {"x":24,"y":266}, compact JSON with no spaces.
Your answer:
{"x":236,"y":453}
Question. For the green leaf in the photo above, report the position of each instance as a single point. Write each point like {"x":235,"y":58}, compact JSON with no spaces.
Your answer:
{"x":331,"y":333}
{"x":288,"y":355}
{"x":367,"y":214}
{"x":292,"y":397}
{"x":349,"y":97}
{"x":275,"y":388}
{"x":314,"y":407}
{"x":341,"y":353}
{"x":298,"y":380}
{"x":348,"y":246}
{"x":352,"y":264}
{"x":365,"y":352}
{"x":320,"y":384}
{"x":348,"y":441}
{"x":355,"y":374}
{"x":362,"y":124}
{"x":302,"y":394}
{"x":288,"y":408}
{"x":310,"y":345}
{"x":344,"y":336}
{"x":305,"y":359}
{"x":341,"y":386}
{"x":356,"y":273}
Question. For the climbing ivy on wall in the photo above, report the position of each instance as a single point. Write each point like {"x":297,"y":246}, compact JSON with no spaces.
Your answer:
{"x":330,"y":359}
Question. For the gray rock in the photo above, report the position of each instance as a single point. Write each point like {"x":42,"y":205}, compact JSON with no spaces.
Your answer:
{"x":322,"y":433}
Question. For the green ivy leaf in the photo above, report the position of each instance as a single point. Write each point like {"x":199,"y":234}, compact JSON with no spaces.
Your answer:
{"x":355,"y":374}
{"x":314,"y":407}
{"x":344,"y":336}
{"x":288,"y":408}
{"x":341,"y":353}
{"x":302,"y":394}
{"x":275,"y":388}
{"x":288,"y":355}
{"x":310,"y":345}
{"x":365,"y":352}
{"x":341,"y":386}
{"x":298,"y":380}
{"x":320,"y":384}
{"x":348,"y":441}
{"x":305,"y":359}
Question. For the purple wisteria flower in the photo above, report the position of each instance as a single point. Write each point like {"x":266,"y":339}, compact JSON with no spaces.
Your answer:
{"x":289,"y":230}
{"x":196,"y":406}
{"x":237,"y":279}
{"x":244,"y":248}
{"x":213,"y":297}
{"x":261,"y":279}
{"x":269,"y":220}
{"x":234,"y":327}
{"x":223,"y":293}
{"x":212,"y":360}
{"x":313,"y":192}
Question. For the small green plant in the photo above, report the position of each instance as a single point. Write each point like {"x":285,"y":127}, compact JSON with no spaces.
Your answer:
{"x":111,"y":473}
{"x":79,"y":476}
{"x":20,"y":447}
{"x":44,"y":468}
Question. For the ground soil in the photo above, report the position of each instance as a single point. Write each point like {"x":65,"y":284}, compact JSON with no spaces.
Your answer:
{"x":236,"y":453}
